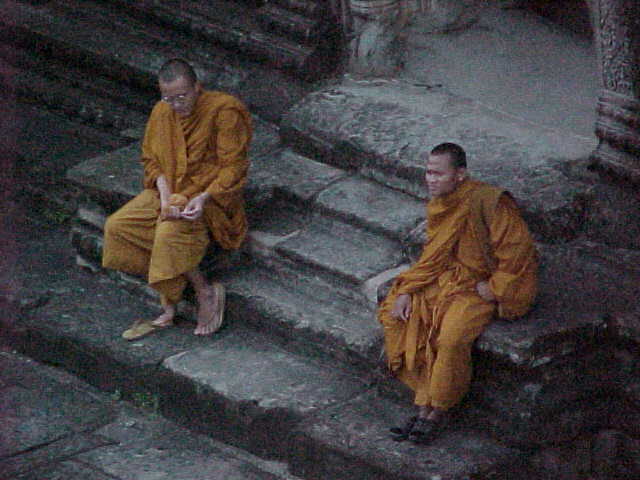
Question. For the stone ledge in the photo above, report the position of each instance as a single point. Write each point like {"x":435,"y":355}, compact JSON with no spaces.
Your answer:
{"x":353,"y":440}
{"x":126,"y":49}
{"x":356,"y":125}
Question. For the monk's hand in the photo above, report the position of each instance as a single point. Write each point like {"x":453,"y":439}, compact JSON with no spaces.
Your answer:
{"x":485,"y":292}
{"x":195,"y":207}
{"x":402,"y":307}
{"x":169,"y":212}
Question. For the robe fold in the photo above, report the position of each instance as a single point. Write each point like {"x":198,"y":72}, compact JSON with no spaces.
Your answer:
{"x":474,"y":234}
{"x":204,"y":152}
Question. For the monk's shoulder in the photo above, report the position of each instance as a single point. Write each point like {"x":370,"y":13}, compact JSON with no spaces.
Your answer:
{"x":217,"y":100}
{"x":489,"y":195}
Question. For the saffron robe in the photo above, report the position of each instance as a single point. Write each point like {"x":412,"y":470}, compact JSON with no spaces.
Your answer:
{"x":474,"y":234}
{"x":206,"y":151}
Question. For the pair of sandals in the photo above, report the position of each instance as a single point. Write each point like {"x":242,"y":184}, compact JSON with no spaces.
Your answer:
{"x":419,"y":430}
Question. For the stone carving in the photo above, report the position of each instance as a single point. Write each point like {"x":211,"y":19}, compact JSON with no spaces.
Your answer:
{"x":376,"y":29}
{"x":618,"y":125}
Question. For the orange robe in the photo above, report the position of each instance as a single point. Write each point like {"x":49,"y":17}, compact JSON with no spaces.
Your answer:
{"x":206,"y":151}
{"x":474,"y":234}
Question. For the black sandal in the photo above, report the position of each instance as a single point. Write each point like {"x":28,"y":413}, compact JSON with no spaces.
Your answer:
{"x":400,"y":434}
{"x":425,"y":431}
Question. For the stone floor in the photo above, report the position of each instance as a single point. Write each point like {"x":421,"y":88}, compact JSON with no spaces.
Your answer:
{"x":55,"y":427}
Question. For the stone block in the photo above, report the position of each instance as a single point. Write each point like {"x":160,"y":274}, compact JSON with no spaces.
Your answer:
{"x":292,"y":175}
{"x":251,"y":391}
{"x":306,"y":316}
{"x":357,"y":124}
{"x":353,"y":441}
{"x":111,"y":179}
{"x":372,"y":205}
{"x":351,"y":254}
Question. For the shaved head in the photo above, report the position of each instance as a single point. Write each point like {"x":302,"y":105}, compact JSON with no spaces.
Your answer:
{"x":177,"y":68}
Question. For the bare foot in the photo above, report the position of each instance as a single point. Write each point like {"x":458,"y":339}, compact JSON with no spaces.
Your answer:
{"x":166,"y":318}
{"x":210,"y":308}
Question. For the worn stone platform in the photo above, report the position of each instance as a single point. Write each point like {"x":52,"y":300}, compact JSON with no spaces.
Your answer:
{"x":237,"y":386}
{"x":105,"y":42}
{"x":329,"y":255}
{"x":336,"y":207}
{"x":56,"y":426}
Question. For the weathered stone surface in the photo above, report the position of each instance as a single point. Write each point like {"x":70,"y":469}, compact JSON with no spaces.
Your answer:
{"x":357,"y":125}
{"x":372,"y":205}
{"x":577,"y":292}
{"x":74,"y":431}
{"x":613,"y":218}
{"x":125,"y":48}
{"x":617,"y":35}
{"x":292,"y":175}
{"x":353,"y":441}
{"x":36,"y":413}
{"x":547,"y":405}
{"x":250,"y":391}
{"x":306,"y":316}
{"x":342,"y":250}
{"x":114,"y":177}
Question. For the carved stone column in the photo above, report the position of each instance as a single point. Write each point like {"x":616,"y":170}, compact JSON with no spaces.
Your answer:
{"x":617,"y":34}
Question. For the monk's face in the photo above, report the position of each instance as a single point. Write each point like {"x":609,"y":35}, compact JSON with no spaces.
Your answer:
{"x":441,"y":176}
{"x":181,"y":94}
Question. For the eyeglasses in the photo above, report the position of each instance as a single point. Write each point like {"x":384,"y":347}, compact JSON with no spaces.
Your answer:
{"x":181,"y":98}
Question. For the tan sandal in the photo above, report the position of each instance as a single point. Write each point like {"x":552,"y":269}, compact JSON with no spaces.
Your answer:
{"x":141,"y":328}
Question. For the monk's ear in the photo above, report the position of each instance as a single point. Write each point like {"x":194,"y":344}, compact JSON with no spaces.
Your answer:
{"x":198,"y":87}
{"x":461,"y":174}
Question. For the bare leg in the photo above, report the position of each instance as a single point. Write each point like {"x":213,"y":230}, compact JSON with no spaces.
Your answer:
{"x":207,"y":303}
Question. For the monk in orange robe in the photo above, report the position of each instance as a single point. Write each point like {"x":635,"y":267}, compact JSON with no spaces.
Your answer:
{"x":479,"y":260}
{"x":194,"y":154}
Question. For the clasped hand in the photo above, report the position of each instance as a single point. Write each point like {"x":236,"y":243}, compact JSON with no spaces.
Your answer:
{"x":191,"y":211}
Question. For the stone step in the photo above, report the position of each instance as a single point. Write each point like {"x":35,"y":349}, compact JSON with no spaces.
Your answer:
{"x":46,"y":146}
{"x":236,"y":26}
{"x":61,"y":427}
{"x":103,"y":41}
{"x":335,"y":192}
{"x":345,"y":256}
{"x":305,"y":315}
{"x":309,"y":8}
{"x":67,"y":91}
{"x":275,"y":18}
{"x":235,"y":386}
{"x":355,"y":125}
{"x":339,"y":251}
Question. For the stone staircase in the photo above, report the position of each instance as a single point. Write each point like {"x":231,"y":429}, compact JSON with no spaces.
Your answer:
{"x":336,"y":208}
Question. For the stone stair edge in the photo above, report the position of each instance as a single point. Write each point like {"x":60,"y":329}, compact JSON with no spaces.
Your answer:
{"x":516,"y":342}
{"x":73,"y":98}
{"x":529,"y":343}
{"x":346,"y":125}
{"x":124,"y":63}
{"x":249,"y":416}
{"x":234,"y":37}
{"x":303,"y":325}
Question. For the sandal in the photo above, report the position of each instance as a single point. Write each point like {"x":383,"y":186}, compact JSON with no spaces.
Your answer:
{"x":424,"y":430}
{"x":400,"y":434}
{"x":141,"y":328}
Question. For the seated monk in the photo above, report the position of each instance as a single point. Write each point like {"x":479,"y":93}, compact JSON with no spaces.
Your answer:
{"x":479,"y":260}
{"x":194,"y":154}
